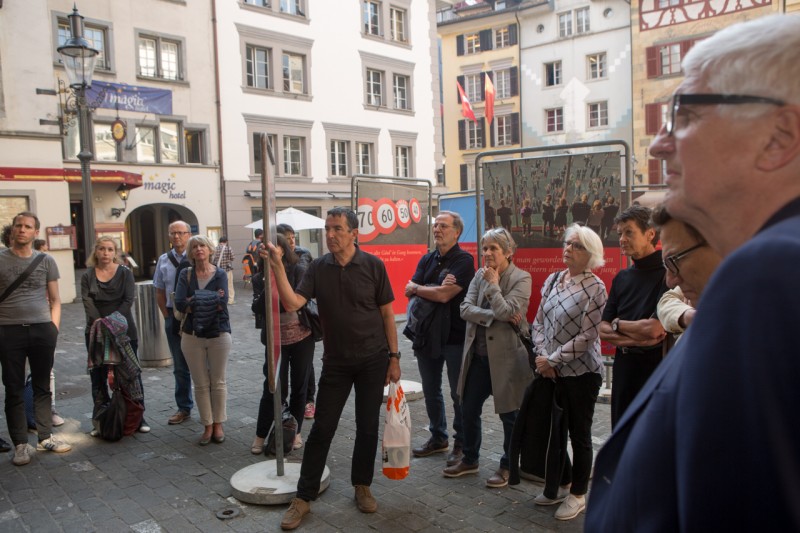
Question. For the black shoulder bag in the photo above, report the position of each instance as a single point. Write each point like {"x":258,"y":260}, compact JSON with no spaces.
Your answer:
{"x":22,"y":277}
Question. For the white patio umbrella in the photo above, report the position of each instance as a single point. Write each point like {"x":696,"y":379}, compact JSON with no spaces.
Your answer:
{"x":298,"y":220}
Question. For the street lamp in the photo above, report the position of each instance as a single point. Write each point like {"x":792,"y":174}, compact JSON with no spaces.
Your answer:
{"x":79,"y":59}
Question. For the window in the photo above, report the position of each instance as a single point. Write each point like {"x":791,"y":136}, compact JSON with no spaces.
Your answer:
{"x":338,"y":158}
{"x":598,"y":115}
{"x":145,"y":144}
{"x":258,"y":67}
{"x":397,"y":21}
{"x":402,"y":161}
{"x":292,"y":7}
{"x":552,"y":74}
{"x":259,"y":3}
{"x":582,"y":20}
{"x":474,"y":134}
{"x":473,"y":43}
{"x":665,"y":59}
{"x":503,"y":131}
{"x":663,"y":4}
{"x":401,"y":84}
{"x":194,"y":140}
{"x":372,"y":18}
{"x":565,"y":24}
{"x":374,"y":87}
{"x":292,"y":156}
{"x":502,"y":38}
{"x":555,"y":120}
{"x":596,"y":66}
{"x":502,"y":84}
{"x":169,"y":148}
{"x":272,"y":142}
{"x":293,"y":73}
{"x":95,"y":34}
{"x":363,"y":158}
{"x":655,"y":115}
{"x":159,"y":58}
{"x":105,"y":148}
{"x":473,"y":86}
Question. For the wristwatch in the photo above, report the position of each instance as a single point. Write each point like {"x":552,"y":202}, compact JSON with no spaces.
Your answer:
{"x":396,"y":355}
{"x":615,"y":325}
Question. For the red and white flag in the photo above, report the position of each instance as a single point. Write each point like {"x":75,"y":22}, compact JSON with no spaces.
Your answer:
{"x":488,"y":89}
{"x":466,"y":107}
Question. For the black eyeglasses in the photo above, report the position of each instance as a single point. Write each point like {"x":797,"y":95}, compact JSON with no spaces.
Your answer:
{"x":174,"y":233}
{"x":575,"y":245}
{"x":714,"y":99}
{"x":671,"y":261}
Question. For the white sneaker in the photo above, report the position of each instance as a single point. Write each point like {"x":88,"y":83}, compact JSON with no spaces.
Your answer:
{"x":53,"y":445}
{"x":22,"y":454}
{"x":541,"y":499}
{"x":572,"y":507}
{"x":57,"y":420}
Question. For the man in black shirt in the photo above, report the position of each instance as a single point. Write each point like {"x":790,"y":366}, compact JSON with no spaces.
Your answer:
{"x":442,"y":277}
{"x":360,"y":350}
{"x":629,"y":319}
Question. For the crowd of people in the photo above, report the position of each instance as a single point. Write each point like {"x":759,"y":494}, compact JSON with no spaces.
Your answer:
{"x":695,"y":362}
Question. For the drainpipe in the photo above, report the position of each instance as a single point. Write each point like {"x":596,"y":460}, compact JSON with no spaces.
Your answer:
{"x":223,"y":204}
{"x":519,"y":75}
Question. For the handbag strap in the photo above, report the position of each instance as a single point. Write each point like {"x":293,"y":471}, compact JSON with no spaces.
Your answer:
{"x":22,"y":277}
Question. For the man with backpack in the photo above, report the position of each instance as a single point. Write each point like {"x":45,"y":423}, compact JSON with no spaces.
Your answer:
{"x":164,"y":280}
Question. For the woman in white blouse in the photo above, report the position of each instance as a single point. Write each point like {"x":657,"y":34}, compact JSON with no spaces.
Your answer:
{"x":567,"y":344}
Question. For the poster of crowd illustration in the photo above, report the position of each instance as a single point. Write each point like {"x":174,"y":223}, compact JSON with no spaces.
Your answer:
{"x":537,"y":198}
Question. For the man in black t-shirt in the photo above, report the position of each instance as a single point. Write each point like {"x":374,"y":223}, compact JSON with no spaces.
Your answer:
{"x":629,"y":318}
{"x":443,"y":277}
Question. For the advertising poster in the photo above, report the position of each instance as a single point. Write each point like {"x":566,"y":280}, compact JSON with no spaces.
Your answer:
{"x":393,"y":218}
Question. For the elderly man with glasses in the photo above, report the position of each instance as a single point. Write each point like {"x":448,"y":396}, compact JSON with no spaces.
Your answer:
{"x":711,"y":442}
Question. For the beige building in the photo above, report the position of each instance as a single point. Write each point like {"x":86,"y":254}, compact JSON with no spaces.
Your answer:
{"x":662,"y":32}
{"x":156,"y":75}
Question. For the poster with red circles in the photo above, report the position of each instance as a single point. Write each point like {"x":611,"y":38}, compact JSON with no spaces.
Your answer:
{"x":367,"y":230}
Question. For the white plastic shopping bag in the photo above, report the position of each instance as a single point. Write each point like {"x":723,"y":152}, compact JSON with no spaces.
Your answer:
{"x":396,"y":434}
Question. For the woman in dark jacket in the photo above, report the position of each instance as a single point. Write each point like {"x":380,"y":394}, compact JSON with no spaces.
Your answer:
{"x":297,"y":354}
{"x":202,"y":295}
{"x":107,"y":287}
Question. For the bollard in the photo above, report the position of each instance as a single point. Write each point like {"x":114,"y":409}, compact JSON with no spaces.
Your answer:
{"x":153,"y":347}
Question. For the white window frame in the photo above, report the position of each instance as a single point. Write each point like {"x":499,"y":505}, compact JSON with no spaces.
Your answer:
{"x":283,"y":129}
{"x":597,"y":66}
{"x":293,"y":155}
{"x":375,"y":90}
{"x":597,"y":114}
{"x":292,"y":7}
{"x":472,"y":87}
{"x":565,"y":24}
{"x":251,"y":64}
{"x":471,"y":130}
{"x":472,"y":43}
{"x":61,"y":31}
{"x":161,"y":60}
{"x":554,"y":120}
{"x":557,"y":77}
{"x":670,"y":57}
{"x":503,"y":129}
{"x":339,"y":158}
{"x":402,"y":97}
{"x":502,"y":84}
{"x":403,"y":149}
{"x":279,"y":46}
{"x":502,"y":37}
{"x":402,"y":161}
{"x":371,"y":18}
{"x":398,"y":24}
{"x":364,"y":150}
{"x":388,"y":68}
{"x":582,"y":20}
{"x":290,"y":71}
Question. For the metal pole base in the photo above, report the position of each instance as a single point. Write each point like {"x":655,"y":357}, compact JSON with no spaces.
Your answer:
{"x":259,"y":484}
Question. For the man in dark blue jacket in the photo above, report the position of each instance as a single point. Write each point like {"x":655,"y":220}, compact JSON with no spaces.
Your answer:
{"x":712,"y":442}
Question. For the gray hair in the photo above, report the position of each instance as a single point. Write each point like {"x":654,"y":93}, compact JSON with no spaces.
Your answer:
{"x":502,"y":237}
{"x":198,"y":240}
{"x":458,"y":222}
{"x":591,"y":241}
{"x":760,"y":57}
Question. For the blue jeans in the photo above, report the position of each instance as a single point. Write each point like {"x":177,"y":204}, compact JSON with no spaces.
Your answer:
{"x":430,"y":371}
{"x":183,"y":380}
{"x":477,"y":389}
{"x":337,"y":379}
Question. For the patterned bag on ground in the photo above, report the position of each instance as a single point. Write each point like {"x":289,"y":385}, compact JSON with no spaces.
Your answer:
{"x":396,"y":434}
{"x":133,"y":415}
{"x":289,"y":431}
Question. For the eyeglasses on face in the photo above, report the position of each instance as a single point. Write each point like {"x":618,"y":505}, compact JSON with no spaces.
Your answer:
{"x":176,"y":233}
{"x":671,"y":261}
{"x":575,"y":245}
{"x":714,"y":99}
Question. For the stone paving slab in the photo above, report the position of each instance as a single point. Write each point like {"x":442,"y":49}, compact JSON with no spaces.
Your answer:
{"x":164,"y":482}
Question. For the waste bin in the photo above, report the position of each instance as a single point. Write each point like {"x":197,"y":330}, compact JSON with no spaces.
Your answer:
{"x":153,"y":348}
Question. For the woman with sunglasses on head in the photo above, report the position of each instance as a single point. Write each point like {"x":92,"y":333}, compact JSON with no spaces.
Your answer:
{"x":567,"y":343}
{"x":495,"y":362}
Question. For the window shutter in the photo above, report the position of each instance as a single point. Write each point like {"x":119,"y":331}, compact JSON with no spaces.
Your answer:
{"x":652,"y":118}
{"x":462,"y":134}
{"x":491,"y":132}
{"x":460,"y":80}
{"x":483,"y":86}
{"x":652,"y":62}
{"x":482,"y":132}
{"x":512,"y":34}
{"x":514,"y":128}
{"x":459,"y":45}
{"x":685,"y":47}
{"x":514,"y":81}
{"x":464,"y":177}
{"x":654,"y":171}
{"x":485,"y":37}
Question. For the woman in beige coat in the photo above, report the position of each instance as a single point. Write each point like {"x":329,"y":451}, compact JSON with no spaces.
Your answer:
{"x":495,"y":360}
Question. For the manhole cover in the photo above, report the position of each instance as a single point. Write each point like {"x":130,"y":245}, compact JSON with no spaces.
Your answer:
{"x":69,"y":390}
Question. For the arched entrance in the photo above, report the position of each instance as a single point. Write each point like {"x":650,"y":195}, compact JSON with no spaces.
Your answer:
{"x":146,"y":228}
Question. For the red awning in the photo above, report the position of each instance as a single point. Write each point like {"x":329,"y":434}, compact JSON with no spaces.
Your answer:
{"x":71,"y":175}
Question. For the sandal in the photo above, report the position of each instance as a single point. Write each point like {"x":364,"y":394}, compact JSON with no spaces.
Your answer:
{"x":258,"y":446}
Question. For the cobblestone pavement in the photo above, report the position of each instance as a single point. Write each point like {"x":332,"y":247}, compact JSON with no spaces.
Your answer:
{"x":164,"y":481}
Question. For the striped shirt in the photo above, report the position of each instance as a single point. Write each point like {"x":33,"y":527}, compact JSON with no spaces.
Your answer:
{"x":566,"y":325}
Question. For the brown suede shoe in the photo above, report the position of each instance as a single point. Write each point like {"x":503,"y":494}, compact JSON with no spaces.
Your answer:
{"x":364,"y":500}
{"x":295,"y":513}
{"x":454,"y":457}
{"x":498,"y":479}
{"x":430,"y":447}
{"x":461,"y":469}
{"x":178,"y":418}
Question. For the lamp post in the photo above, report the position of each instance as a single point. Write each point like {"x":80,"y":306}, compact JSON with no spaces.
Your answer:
{"x":79,"y":59}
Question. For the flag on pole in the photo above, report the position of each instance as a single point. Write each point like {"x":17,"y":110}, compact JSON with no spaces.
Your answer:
{"x":466,"y":107}
{"x":488,"y":89}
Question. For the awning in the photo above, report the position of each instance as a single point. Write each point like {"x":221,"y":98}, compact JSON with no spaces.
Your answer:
{"x":70,"y":175}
